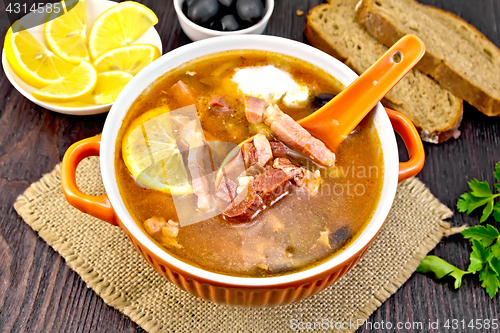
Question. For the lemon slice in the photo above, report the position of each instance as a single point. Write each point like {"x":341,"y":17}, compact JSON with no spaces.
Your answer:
{"x":31,"y":61}
{"x":109,"y":85}
{"x":152,"y":156}
{"x":78,"y":84}
{"x":119,"y":26}
{"x":66,"y":35}
{"x":130,"y":59}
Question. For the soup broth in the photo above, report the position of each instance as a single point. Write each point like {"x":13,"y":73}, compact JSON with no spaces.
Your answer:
{"x":301,"y":229}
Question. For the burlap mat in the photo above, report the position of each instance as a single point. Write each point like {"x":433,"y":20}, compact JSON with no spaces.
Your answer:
{"x":106,"y":260}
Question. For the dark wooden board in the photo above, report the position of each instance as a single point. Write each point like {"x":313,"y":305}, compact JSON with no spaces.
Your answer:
{"x":38,"y":291}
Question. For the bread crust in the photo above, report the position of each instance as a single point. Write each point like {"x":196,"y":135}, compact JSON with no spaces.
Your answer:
{"x":316,"y":37}
{"x":388,"y":33}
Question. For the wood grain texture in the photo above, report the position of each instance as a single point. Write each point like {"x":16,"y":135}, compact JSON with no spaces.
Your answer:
{"x":39,"y":293}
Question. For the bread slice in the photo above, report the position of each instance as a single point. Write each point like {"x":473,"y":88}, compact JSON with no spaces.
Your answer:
{"x":435,"y":111}
{"x":458,"y":56}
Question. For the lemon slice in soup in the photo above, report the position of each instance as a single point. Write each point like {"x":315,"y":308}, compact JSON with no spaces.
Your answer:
{"x":151,"y":154}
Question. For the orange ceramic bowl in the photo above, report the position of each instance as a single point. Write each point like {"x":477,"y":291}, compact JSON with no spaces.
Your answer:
{"x":232,"y":290}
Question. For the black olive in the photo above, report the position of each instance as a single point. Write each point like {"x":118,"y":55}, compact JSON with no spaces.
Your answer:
{"x":229,"y":23}
{"x":249,"y":10}
{"x":186,"y":4}
{"x":321,"y":99}
{"x":340,"y":237}
{"x":226,"y":3}
{"x":203,"y":11}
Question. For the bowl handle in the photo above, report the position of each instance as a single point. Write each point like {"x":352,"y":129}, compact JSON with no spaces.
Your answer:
{"x":97,"y":206}
{"x":405,"y":128}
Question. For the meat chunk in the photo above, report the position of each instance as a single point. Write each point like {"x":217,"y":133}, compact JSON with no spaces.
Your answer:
{"x":219,"y":107}
{"x":263,"y":190}
{"x":226,"y":189}
{"x":154,"y":225}
{"x":245,"y":209}
{"x":235,"y":167}
{"x":263,"y":149}
{"x":296,"y":137}
{"x":254,"y":109}
{"x":200,"y":187}
{"x":199,"y":180}
{"x":164,"y":232}
{"x":249,"y":154}
{"x":290,"y":169}
{"x":278,"y":149}
{"x":271,"y":185}
{"x":183,"y":94}
{"x":310,"y":181}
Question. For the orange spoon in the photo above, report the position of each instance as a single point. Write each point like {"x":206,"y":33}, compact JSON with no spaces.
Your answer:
{"x":333,"y":122}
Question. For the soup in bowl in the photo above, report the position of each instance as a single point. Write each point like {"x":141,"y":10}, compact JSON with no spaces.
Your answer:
{"x":284,"y":216}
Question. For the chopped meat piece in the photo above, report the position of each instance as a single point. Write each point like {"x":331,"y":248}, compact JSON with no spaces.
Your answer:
{"x":198,"y":178}
{"x":323,"y":238}
{"x":264,"y":153}
{"x":249,"y":154}
{"x":291,"y":170}
{"x":243,"y":183}
{"x":255,"y":170}
{"x":220,"y":107}
{"x":200,"y":186}
{"x":310,"y":182}
{"x":254,"y":109}
{"x":279,"y":149}
{"x":164,"y":232}
{"x":296,"y":137}
{"x":226,"y":190}
{"x":154,"y":225}
{"x":183,"y":94}
{"x":235,"y":167}
{"x":263,"y":190}
{"x":244,"y":210}
{"x":271,"y":185}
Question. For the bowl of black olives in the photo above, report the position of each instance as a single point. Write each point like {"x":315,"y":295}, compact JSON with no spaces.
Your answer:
{"x":202,"y":19}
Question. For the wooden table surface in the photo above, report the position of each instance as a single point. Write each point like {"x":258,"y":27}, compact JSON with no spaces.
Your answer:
{"x":38,"y":291}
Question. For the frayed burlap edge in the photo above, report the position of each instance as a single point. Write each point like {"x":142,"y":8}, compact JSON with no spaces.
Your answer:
{"x":113,"y":297}
{"x":443,"y":229}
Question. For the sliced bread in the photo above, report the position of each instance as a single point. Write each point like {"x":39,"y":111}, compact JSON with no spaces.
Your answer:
{"x":458,"y":56}
{"x":435,"y":111}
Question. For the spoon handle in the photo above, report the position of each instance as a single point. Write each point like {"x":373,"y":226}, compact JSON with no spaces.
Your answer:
{"x":340,"y":116}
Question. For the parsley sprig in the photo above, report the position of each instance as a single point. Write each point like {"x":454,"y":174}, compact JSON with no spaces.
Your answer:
{"x":481,"y":195}
{"x":485,"y":256}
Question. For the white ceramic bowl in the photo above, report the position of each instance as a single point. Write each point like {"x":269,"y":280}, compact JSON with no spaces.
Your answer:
{"x":94,"y":9}
{"x":196,"y":32}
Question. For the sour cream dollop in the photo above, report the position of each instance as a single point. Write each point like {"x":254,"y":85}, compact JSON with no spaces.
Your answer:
{"x":270,"y":84}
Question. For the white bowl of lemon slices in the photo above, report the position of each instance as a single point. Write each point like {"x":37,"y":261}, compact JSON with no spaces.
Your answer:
{"x":79,"y":62}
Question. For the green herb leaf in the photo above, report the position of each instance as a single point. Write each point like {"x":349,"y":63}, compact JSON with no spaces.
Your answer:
{"x":497,"y":175}
{"x":495,"y":250}
{"x":485,"y":235}
{"x":464,"y":202}
{"x":487,"y":211}
{"x":494,"y":263}
{"x":480,"y":189}
{"x":496,"y":214}
{"x":441,"y":268}
{"x":479,"y":196}
{"x":478,"y":256}
{"x":458,"y":274}
{"x":489,"y":279}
